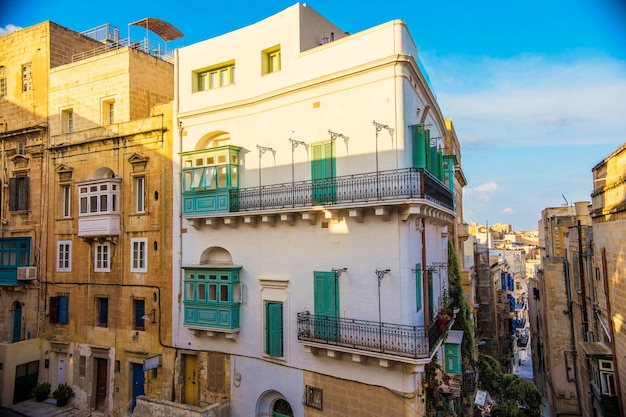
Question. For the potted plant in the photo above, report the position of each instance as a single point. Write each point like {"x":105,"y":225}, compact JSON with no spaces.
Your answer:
{"x":62,"y":394}
{"x":41,"y":391}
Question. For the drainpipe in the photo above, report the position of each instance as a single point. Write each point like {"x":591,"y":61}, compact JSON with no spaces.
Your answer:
{"x":574,"y":353}
{"x":425,"y":273}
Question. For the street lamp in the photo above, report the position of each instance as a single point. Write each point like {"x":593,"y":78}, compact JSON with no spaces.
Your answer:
{"x":262,"y":150}
{"x":379,"y":127}
{"x":294,"y":145}
{"x":380,"y":273}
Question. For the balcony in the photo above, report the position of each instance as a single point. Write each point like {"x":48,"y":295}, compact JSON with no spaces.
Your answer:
{"x":360,"y":337}
{"x":350,"y":191}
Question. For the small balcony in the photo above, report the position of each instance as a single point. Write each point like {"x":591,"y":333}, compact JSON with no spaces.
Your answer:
{"x":361,"y":337}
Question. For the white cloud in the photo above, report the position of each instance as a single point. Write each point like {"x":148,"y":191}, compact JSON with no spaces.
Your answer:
{"x":487,"y":187}
{"x":507,"y":210}
{"x":8,"y":29}
{"x":531,"y":100}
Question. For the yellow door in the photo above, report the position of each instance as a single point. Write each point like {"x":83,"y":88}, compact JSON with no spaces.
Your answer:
{"x":191,"y":380}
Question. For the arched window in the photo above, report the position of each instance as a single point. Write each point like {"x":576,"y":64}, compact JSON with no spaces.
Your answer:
{"x":281,"y":408}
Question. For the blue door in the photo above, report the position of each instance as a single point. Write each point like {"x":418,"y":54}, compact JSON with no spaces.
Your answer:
{"x":138,"y":381}
{"x":17,"y":322}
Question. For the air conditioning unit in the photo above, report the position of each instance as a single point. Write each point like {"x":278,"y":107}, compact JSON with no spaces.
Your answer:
{"x":27,"y":273}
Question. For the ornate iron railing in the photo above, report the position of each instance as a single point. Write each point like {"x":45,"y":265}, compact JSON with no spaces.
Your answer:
{"x":382,"y":186}
{"x":414,"y":342}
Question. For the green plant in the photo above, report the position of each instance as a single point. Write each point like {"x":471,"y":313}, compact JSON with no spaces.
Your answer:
{"x":41,"y":391}
{"x":62,"y":394}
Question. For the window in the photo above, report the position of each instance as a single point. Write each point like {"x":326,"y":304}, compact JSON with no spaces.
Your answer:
{"x":418,"y":287}
{"x":273,"y":329}
{"x":59,"y":308}
{"x":604,"y":376}
{"x":27,"y":78}
{"x":216,"y":77}
{"x":3,"y":81}
{"x":64,"y":256}
{"x":18,"y":193}
{"x":102,"y":257}
{"x":98,"y":198}
{"x":270,"y":60}
{"x":140,"y":194}
{"x":216,"y":372}
{"x":139,"y":307}
{"x":102,"y":311}
{"x":212,"y":297}
{"x":313,"y":397}
{"x":453,"y":358}
{"x":14,"y":252}
{"x":66,"y":198}
{"x":67,"y":121}
{"x":138,"y":255}
{"x":82,"y":364}
{"x":108,"y":112}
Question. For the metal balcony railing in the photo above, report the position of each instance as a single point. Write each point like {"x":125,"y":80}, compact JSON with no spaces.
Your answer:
{"x":415,"y":342}
{"x":368,"y":187}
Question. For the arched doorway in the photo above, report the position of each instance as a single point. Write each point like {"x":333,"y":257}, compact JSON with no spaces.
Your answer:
{"x":281,"y":408}
{"x":17,"y":322}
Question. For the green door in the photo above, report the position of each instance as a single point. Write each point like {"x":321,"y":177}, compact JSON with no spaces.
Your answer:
{"x":323,"y":173}
{"x":326,"y":305}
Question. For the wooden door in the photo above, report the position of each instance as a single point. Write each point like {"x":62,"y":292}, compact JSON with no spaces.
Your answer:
{"x":191,"y":380}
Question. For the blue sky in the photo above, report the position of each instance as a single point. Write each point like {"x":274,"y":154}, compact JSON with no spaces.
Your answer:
{"x":536,"y":89}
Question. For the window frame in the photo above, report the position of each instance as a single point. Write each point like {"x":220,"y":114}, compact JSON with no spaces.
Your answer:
{"x":3,"y":81}
{"x":67,"y":120}
{"x":271,"y":60}
{"x":102,"y":312}
{"x":64,"y":256}
{"x":212,"y":169}
{"x":91,"y":194}
{"x":274,"y":348}
{"x":19,"y":193}
{"x":139,"y":310}
{"x":217,"y":76}
{"x":139,"y":254}
{"x":66,"y":201}
{"x":419,"y":287}
{"x":27,"y":77}
{"x":139,"y":183}
{"x":102,"y":259}
{"x":108,"y":111}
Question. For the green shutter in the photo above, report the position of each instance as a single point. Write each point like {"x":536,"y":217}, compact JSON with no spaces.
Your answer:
{"x":419,"y":146}
{"x":323,"y":172}
{"x":452,"y":358}
{"x":418,"y":287}
{"x":274,"y":325}
{"x":431,"y":297}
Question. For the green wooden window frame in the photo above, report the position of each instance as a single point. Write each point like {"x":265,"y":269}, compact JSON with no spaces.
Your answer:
{"x":211,"y":169}
{"x":216,"y":77}
{"x":274,"y":329}
{"x":452,"y":355}
{"x":418,"y":288}
{"x":213,"y":286}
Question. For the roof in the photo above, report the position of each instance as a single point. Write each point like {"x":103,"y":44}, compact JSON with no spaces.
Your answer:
{"x":165,"y":31}
{"x":455,"y":337}
{"x":596,"y":348}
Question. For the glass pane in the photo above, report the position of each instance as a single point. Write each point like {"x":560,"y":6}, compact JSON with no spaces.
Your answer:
{"x":233,"y":177}
{"x":213,"y":79}
{"x":83,"y":205}
{"x":201,"y":276}
{"x":93,"y":204}
{"x":197,"y":177}
{"x":187,"y":176}
{"x":224,"y":77}
{"x":199,"y":162}
{"x":104,"y":202}
{"x":221,"y":159}
{"x":202,"y":292}
{"x":209,"y":176}
{"x":212,"y":292}
{"x":221,"y":177}
{"x":189,"y":292}
{"x":210,"y":160}
{"x":224,"y":293}
{"x":213,"y":277}
{"x":224,"y":277}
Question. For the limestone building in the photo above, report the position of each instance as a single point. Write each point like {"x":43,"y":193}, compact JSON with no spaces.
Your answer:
{"x":100,"y":194}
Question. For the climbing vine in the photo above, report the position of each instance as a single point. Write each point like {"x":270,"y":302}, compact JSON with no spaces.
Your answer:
{"x":463,"y":319}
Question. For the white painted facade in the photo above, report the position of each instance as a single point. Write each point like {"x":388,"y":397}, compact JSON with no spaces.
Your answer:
{"x":342,"y":86}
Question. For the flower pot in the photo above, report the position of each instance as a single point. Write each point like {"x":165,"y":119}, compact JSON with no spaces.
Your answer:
{"x":62,"y":401}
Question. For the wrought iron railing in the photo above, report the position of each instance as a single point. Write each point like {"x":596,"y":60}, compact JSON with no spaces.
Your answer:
{"x":414,"y":342}
{"x":368,"y":187}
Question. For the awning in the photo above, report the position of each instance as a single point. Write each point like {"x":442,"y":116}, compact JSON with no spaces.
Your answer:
{"x":596,"y":348}
{"x":165,"y":31}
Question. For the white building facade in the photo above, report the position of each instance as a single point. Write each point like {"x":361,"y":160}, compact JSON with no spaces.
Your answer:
{"x":313,"y":216}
